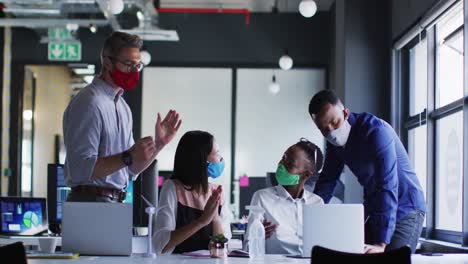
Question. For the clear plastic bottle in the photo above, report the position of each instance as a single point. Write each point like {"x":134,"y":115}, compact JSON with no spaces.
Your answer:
{"x":256,"y":232}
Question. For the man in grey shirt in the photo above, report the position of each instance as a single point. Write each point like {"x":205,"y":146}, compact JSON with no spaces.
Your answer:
{"x":97,"y":125}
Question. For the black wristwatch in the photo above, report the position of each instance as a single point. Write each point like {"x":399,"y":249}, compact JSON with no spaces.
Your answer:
{"x":127,"y":158}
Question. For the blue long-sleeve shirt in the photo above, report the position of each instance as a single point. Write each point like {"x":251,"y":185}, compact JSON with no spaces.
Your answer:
{"x":375,"y":154}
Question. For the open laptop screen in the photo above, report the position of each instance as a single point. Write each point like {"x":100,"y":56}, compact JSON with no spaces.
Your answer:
{"x":23,"y":216}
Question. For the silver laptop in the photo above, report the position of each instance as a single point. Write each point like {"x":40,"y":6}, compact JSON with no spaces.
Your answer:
{"x":335,"y":226}
{"x":97,"y":228}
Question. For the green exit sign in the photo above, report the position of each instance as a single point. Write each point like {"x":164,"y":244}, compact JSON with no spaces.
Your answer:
{"x":64,"y":51}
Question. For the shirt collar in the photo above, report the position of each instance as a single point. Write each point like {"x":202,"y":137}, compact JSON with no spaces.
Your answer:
{"x":283,"y":193}
{"x":113,"y":93}
{"x":352,"y":119}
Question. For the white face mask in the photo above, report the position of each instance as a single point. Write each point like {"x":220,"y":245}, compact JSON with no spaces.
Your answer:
{"x":339,"y":136}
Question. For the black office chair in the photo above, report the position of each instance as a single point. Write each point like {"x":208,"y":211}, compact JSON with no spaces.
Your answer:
{"x":15,"y":253}
{"x":321,"y":255}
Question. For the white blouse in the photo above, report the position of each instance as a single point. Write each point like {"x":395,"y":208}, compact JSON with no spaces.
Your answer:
{"x":166,"y":217}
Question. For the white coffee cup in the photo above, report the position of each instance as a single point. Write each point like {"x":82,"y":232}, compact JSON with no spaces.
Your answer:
{"x":47,"y":244}
{"x":140,"y":231}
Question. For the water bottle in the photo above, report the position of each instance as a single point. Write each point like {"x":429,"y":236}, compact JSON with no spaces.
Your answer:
{"x":256,"y":232}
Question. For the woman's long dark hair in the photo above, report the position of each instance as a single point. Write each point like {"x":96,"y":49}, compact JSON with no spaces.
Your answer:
{"x":190,"y":162}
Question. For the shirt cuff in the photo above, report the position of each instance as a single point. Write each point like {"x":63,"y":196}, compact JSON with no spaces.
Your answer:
{"x":383,"y":228}
{"x":81,"y":170}
{"x":160,"y":240}
{"x":133,"y":176}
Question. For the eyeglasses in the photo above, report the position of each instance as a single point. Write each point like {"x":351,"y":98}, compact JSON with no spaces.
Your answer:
{"x":129,"y":67}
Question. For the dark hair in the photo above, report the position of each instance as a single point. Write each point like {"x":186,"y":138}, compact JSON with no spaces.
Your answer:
{"x":314,"y":154}
{"x":118,"y":41}
{"x":322,"y":98}
{"x":190,"y":162}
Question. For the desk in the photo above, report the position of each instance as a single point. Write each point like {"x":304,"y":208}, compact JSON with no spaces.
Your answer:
{"x":138,"y":243}
{"x":270,"y":259}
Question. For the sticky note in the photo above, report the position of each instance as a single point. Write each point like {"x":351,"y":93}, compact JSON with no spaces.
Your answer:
{"x":244,"y":181}
{"x":160,"y":181}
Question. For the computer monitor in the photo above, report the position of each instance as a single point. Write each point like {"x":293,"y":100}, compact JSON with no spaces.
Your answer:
{"x":147,"y":186}
{"x":57,"y":192}
{"x":23,"y":216}
{"x":246,"y":193}
{"x":163,"y":175}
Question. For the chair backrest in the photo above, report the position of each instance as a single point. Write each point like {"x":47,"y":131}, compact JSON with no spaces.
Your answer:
{"x":271,"y":179}
{"x":321,"y":255}
{"x":15,"y":253}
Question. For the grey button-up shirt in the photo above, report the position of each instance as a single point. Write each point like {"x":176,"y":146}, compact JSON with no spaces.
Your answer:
{"x":97,"y":123}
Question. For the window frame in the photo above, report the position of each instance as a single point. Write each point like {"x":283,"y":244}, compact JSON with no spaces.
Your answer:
{"x":404,"y":122}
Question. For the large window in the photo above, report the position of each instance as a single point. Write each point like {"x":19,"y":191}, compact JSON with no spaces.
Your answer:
{"x":431,"y":110}
{"x":417,"y":134}
{"x":449,"y":127}
{"x":449,"y":172}
{"x":449,"y":72}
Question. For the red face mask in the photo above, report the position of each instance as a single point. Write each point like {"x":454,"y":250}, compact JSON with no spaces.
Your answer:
{"x":125,"y":80}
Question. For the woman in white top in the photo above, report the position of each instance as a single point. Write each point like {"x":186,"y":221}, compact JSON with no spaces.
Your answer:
{"x":192,"y":209}
{"x":283,"y":203}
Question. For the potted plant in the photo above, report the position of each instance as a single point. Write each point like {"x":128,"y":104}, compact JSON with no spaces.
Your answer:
{"x":218,"y":246}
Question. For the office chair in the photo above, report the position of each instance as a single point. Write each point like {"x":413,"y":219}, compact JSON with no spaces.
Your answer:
{"x":322,"y":255}
{"x":15,"y":253}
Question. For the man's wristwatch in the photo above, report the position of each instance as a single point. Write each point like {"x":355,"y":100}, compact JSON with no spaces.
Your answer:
{"x":127,"y":158}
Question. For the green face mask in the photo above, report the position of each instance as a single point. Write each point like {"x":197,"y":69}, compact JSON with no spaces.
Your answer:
{"x":284,"y":177}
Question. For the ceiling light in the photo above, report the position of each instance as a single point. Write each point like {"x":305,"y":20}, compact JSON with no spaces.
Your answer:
{"x":274,"y":87}
{"x":27,"y":115}
{"x":140,"y":15}
{"x":83,"y":71}
{"x":145,"y":57}
{"x":92,"y":28}
{"x":307,"y":8}
{"x":115,"y":6}
{"x":72,"y":27}
{"x":285,"y":62}
{"x":88,"y":78}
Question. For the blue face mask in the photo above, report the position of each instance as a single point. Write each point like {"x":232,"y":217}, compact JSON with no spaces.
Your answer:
{"x":215,"y":169}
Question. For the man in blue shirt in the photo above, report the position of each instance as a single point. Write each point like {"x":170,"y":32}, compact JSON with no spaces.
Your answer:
{"x":393,"y":199}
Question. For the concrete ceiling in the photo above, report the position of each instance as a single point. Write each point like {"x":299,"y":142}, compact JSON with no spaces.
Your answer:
{"x":252,"y":5}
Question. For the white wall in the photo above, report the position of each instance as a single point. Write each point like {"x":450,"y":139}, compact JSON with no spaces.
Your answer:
{"x":267,"y":124}
{"x":202,"y":96}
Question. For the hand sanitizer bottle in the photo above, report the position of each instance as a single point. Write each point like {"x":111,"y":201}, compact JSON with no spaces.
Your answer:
{"x":256,"y":232}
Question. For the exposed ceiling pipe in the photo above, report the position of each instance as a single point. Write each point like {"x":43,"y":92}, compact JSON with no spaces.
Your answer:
{"x":157,"y":3}
{"x":41,"y":23}
{"x":110,"y":17}
{"x":245,"y":12}
{"x":32,"y":11}
{"x":29,"y":2}
{"x":148,"y":28}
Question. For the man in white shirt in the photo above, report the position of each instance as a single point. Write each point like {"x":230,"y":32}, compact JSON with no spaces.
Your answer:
{"x":283,"y":203}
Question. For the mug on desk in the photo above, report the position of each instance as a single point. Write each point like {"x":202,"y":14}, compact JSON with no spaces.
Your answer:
{"x":47,"y":244}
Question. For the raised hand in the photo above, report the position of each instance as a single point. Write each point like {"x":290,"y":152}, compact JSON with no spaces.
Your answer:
{"x":210,"y":212}
{"x":166,"y":129}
